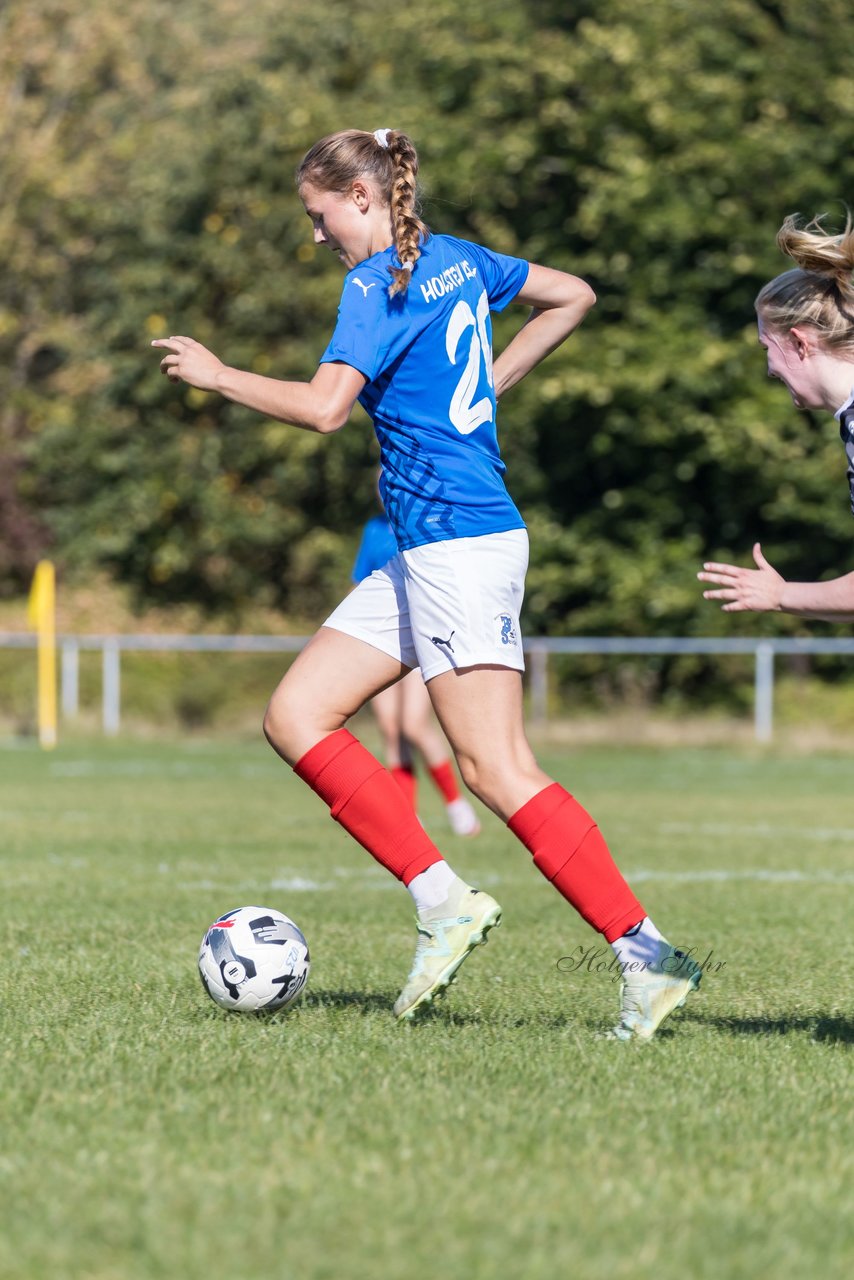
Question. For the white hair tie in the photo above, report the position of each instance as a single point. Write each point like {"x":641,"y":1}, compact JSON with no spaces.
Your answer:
{"x":407,"y":266}
{"x":381,"y":136}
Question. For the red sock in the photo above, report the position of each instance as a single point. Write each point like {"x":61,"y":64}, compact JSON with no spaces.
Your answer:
{"x":445,"y":779}
{"x":368,"y":803}
{"x":404,"y":776}
{"x":570,"y":851}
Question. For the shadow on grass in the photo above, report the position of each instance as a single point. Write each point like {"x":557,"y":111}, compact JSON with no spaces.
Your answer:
{"x":367,"y":1002}
{"x":824,"y":1027}
{"x":446,"y":1013}
{"x":438,"y":1012}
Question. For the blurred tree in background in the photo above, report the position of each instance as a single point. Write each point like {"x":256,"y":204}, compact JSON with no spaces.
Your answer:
{"x":147,"y":187}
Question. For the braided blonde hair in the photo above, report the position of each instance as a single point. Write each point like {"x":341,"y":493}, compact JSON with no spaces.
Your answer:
{"x":387,"y":159}
{"x":819,"y":290}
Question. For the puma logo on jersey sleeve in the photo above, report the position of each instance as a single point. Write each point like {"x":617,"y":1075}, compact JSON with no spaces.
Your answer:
{"x":363,"y":287}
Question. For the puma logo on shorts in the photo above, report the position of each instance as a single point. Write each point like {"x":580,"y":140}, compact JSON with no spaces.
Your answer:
{"x":443,"y":644}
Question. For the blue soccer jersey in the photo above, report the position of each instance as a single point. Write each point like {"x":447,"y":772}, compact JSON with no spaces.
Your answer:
{"x":427,"y":358}
{"x":377,"y":547}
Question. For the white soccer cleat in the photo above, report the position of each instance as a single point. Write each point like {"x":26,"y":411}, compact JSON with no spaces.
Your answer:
{"x":462,"y":817}
{"x":446,"y":935}
{"x":651,"y":994}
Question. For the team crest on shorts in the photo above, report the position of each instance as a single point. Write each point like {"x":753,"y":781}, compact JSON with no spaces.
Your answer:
{"x":507,"y":629}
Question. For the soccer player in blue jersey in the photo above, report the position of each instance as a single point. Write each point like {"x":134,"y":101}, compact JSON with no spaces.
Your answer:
{"x":413,"y":344}
{"x":404,"y":712}
{"x":806,"y":325}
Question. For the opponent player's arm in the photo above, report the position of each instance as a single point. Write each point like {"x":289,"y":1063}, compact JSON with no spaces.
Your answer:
{"x":831,"y":601}
{"x":764,"y":590}
{"x":560,"y":302}
{"x":324,"y":404}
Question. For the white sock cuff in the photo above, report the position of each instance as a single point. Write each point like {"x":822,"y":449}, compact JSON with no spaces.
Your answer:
{"x":432,"y":886}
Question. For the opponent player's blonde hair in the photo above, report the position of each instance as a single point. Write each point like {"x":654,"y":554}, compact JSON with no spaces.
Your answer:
{"x":819,"y":291}
{"x":388,"y":159}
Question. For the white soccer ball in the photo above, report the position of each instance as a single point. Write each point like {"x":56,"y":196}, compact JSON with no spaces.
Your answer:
{"x":253,"y":959}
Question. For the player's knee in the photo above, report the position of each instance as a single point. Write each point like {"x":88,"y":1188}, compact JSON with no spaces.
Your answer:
{"x":480,"y":776}
{"x":294,"y":722}
{"x":280,"y":719}
{"x":271,"y":727}
{"x":423,"y":736}
{"x":497,"y":781}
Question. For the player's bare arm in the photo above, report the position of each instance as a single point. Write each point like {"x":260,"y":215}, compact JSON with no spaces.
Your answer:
{"x":764,"y":590}
{"x":324,"y":404}
{"x":560,"y":302}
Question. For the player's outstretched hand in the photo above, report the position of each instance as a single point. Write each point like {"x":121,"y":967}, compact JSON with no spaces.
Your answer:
{"x":188,"y":361}
{"x":759,"y":589}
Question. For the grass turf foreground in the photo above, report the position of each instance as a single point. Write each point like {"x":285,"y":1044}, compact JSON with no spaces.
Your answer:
{"x":148,"y":1134}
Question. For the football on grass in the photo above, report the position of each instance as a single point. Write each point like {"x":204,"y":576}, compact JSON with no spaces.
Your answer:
{"x":253,"y":959}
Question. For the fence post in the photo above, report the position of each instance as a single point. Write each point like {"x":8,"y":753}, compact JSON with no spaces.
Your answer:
{"x":764,"y":691}
{"x":539,"y":659}
{"x":70,"y":671}
{"x":111,"y":686}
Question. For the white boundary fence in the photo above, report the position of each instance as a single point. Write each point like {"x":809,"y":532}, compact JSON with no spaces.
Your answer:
{"x":537,"y":652}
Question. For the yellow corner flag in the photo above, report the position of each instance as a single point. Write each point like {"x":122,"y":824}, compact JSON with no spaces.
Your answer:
{"x":41,"y":613}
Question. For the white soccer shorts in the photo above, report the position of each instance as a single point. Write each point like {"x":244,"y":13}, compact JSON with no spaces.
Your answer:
{"x":444,"y":605}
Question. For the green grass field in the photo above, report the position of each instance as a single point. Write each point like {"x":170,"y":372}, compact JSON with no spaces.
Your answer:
{"x":146,"y":1133}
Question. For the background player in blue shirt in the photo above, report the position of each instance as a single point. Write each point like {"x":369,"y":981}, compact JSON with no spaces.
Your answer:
{"x":806,"y":324}
{"x":404,"y":712}
{"x":413,"y":343}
